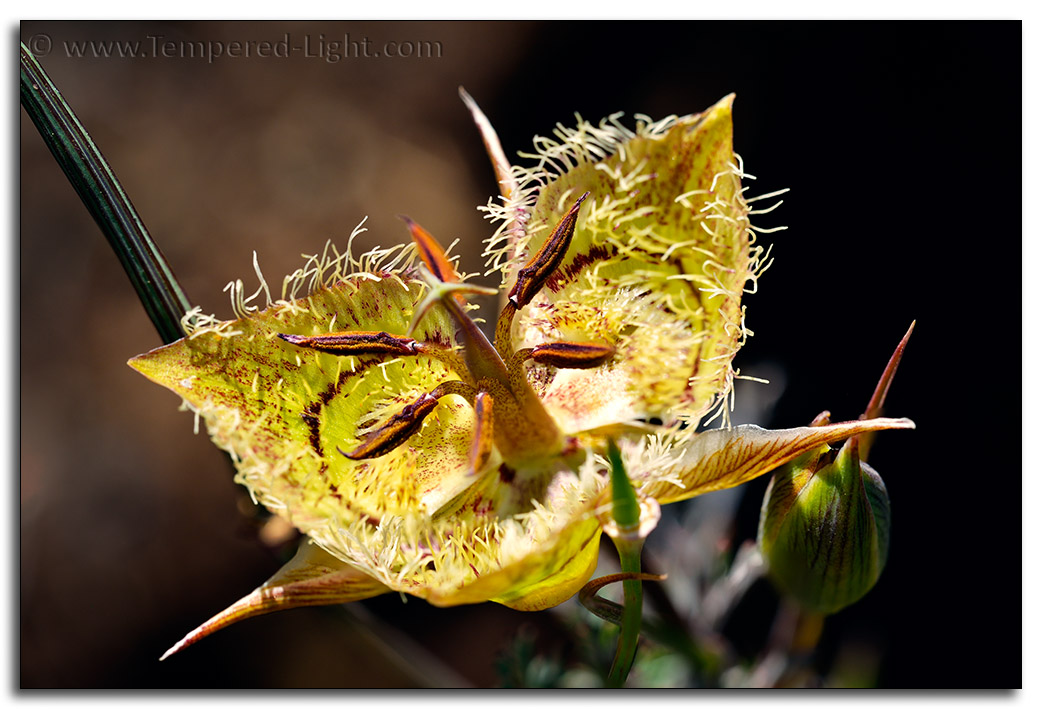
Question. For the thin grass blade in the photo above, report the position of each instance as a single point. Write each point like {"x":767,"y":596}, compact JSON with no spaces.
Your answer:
{"x":96,"y":184}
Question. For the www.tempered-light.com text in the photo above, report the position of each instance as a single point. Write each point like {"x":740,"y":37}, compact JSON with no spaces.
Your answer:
{"x":330,"y":49}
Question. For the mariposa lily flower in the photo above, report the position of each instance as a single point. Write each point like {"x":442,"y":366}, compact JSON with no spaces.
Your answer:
{"x":366,"y":407}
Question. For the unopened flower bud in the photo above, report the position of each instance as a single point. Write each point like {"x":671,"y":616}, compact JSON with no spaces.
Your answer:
{"x":825,"y":527}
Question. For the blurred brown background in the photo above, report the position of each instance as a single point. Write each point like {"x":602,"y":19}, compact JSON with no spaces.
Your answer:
{"x":131,"y":532}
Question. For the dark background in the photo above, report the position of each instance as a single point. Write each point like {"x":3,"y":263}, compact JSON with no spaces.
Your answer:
{"x":900,"y":143}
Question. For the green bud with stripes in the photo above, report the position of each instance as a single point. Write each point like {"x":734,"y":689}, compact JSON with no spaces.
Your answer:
{"x":825,"y":528}
{"x":825,"y":520}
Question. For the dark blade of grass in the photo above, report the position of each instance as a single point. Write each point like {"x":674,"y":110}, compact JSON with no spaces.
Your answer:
{"x":155,"y":283}
{"x":93,"y":179}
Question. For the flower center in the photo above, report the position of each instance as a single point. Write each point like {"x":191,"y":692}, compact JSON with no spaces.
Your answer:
{"x":492,"y":378}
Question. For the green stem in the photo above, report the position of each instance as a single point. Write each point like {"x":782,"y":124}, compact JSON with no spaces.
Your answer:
{"x":626,"y":512}
{"x":102,"y":194}
{"x":632,"y":610}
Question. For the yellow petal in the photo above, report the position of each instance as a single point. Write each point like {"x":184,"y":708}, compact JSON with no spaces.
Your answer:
{"x":656,"y":267}
{"x":561,"y":585}
{"x":285,"y":413}
{"x":311,"y":578}
{"x":540,"y":579}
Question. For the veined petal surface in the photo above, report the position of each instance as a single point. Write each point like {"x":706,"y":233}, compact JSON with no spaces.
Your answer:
{"x":415,"y":519}
{"x":659,"y":260}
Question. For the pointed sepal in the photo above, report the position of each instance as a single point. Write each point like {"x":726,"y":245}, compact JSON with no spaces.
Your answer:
{"x":875,"y":404}
{"x":498,"y":158}
{"x":723,"y":458}
{"x":313,"y":577}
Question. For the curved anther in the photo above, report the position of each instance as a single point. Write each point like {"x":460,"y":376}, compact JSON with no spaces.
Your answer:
{"x":367,"y":344}
{"x":541,"y":266}
{"x":572,"y":355}
{"x":358,"y":343}
{"x":400,"y":427}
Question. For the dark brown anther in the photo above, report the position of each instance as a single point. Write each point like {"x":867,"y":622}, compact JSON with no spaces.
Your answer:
{"x":356,"y":343}
{"x":481,"y":448}
{"x":536,"y":272}
{"x":573,"y":355}
{"x":406,"y":422}
{"x":396,"y":431}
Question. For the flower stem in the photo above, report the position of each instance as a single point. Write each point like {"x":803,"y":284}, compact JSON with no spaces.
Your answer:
{"x":633,"y":600}
{"x":103,"y":195}
{"x":626,"y":512}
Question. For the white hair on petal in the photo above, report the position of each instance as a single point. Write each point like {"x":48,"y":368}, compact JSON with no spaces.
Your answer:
{"x":322,"y":270}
